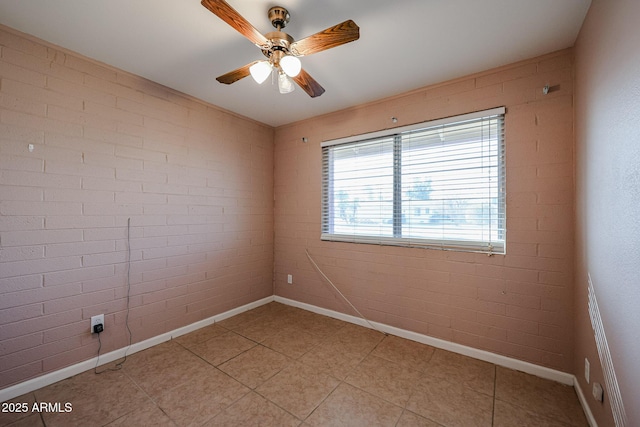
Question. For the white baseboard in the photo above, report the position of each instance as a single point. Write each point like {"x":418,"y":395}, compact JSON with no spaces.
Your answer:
{"x":61,"y":374}
{"x":507,"y":362}
{"x":583,"y":401}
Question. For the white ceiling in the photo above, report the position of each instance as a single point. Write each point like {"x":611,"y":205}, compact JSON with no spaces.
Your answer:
{"x":403,"y":45}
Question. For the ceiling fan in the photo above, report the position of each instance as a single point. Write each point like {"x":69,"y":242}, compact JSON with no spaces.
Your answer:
{"x":281,"y":50}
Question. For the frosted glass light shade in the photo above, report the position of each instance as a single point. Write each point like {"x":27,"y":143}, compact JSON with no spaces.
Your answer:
{"x":290,"y":65}
{"x":285,"y":84}
{"x":260,"y":71}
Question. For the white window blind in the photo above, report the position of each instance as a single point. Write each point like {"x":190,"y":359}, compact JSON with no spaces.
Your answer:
{"x":436,"y":184}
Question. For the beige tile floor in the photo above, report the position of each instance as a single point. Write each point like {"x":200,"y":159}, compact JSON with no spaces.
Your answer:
{"x":281,"y":366}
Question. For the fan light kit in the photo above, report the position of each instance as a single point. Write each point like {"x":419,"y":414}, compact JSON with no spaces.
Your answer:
{"x":281,"y":50}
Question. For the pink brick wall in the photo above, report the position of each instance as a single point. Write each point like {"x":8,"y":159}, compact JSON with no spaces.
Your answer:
{"x":518,"y":304}
{"x":197,"y":183}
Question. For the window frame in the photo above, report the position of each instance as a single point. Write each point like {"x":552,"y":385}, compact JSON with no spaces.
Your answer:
{"x":487,"y":245}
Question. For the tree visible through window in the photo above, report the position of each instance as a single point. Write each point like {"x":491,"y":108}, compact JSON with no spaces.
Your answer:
{"x":437,"y":184}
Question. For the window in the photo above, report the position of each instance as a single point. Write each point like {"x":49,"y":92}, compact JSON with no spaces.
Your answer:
{"x":437,"y":184}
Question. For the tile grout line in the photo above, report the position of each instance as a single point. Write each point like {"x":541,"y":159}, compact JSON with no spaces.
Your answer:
{"x":495,"y":389}
{"x":342,"y":381}
{"x":422,"y":375}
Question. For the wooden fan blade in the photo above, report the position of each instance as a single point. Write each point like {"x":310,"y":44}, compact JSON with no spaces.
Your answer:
{"x":337,"y":35}
{"x":235,"y":75}
{"x":224,"y":11}
{"x":308,"y":84}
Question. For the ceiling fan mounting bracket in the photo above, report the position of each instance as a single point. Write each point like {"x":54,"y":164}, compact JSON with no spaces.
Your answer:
{"x":279,"y":17}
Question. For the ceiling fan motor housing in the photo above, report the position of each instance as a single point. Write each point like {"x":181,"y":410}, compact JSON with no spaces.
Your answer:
{"x":279,"y":45}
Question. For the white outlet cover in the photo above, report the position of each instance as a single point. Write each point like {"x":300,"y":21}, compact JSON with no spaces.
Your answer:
{"x":289,"y":279}
{"x":96,"y":320}
{"x":598,"y":392}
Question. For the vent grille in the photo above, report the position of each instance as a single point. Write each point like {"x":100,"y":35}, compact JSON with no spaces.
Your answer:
{"x":610,"y":379}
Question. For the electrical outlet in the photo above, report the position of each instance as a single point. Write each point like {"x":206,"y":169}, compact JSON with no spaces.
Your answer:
{"x":587,"y":368}
{"x":598,"y":392}
{"x":95,"y":321}
{"x":290,"y":279}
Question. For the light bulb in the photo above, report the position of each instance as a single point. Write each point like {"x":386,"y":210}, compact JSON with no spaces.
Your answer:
{"x":291,"y":65}
{"x":260,"y":71}
{"x":285,"y":85}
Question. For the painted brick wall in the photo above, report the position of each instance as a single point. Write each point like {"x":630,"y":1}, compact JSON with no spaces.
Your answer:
{"x":518,"y":304}
{"x":196,"y":182}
